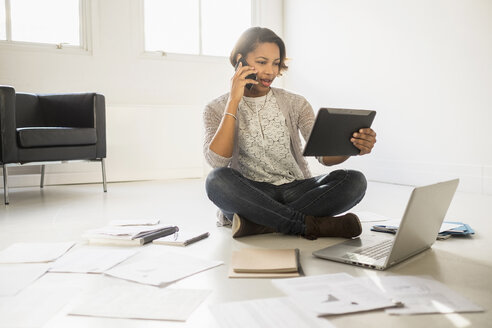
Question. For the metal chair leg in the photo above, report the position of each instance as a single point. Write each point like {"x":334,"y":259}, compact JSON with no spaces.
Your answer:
{"x":41,"y":185}
{"x":5,"y":185}
{"x":103,"y":166}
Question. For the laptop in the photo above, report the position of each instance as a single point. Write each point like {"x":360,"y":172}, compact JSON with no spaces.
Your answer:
{"x":418,"y":230}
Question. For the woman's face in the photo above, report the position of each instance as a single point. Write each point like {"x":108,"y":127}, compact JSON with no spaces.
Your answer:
{"x":266,"y":60}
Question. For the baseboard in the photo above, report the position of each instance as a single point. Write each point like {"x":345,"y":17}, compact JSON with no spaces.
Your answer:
{"x":473,"y":178}
{"x":61,"y":178}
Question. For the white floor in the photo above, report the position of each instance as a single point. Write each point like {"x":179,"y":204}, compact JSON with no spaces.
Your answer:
{"x":63,"y":213}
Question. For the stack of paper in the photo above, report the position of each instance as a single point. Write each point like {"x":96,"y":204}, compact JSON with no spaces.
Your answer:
{"x":265,"y":263}
{"x":128,"y":234}
{"x":447,"y":228}
{"x":462,"y":229}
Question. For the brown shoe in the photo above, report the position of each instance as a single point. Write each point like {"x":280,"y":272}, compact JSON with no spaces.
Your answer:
{"x":347,"y":226}
{"x":242,"y":227}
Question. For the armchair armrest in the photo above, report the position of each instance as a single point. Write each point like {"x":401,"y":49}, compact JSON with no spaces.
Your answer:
{"x":100,"y":123}
{"x":8,"y":143}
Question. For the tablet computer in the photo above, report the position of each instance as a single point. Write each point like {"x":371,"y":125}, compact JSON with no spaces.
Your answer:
{"x":333,"y":129}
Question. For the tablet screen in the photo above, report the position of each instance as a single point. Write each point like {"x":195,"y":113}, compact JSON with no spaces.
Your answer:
{"x":333,"y":129}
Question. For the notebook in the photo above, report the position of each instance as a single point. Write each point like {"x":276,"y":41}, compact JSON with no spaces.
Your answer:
{"x":128,"y":235}
{"x":418,"y":229}
{"x":265,"y":263}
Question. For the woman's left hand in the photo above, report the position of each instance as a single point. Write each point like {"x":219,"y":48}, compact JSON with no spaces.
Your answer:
{"x":364,"y":140}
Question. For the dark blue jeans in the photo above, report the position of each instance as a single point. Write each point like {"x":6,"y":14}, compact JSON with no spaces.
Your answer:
{"x":284,"y":207}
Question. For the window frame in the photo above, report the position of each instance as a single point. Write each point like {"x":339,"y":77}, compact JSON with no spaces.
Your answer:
{"x":200,"y":57}
{"x":85,"y":34}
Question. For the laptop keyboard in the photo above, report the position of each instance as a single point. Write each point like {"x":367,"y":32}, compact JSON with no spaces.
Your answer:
{"x":377,"y":251}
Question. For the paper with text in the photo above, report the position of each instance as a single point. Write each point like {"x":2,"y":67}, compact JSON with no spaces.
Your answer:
{"x":15,"y":277}
{"x":157,"y":266}
{"x":92,"y":259}
{"x":420,"y":295}
{"x":333,"y":294}
{"x":136,"y":301}
{"x":34,"y":252}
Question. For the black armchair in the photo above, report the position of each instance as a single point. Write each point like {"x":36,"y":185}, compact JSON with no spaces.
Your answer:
{"x":37,"y":128}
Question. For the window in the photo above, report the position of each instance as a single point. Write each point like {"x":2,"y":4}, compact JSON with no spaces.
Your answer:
{"x":3,"y":21}
{"x":47,"y":21}
{"x":198,"y":27}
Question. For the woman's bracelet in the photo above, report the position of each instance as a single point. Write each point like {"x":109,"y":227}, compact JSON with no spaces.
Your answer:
{"x":231,"y":115}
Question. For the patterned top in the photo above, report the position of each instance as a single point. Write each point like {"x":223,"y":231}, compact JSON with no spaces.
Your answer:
{"x":264,"y":142}
{"x":297,"y":114}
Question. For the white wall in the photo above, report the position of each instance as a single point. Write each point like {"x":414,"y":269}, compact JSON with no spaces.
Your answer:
{"x":154,"y":104}
{"x":424,"y":65}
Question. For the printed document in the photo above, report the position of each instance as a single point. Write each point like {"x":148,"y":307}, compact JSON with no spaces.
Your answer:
{"x":34,"y":252}
{"x":333,"y":294}
{"x":15,"y":277}
{"x":136,"y":301}
{"x":35,"y":305}
{"x":157,"y":266}
{"x":420,"y":295}
{"x":92,"y":259}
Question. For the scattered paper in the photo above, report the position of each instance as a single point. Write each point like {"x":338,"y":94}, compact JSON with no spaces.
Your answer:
{"x":92,"y":259}
{"x":333,"y":294}
{"x":395,"y":224}
{"x":158,"y":267}
{"x":265,"y":313}
{"x":35,"y":305}
{"x":136,"y":301}
{"x":420,"y":295}
{"x":34,"y":252}
{"x":15,"y":277}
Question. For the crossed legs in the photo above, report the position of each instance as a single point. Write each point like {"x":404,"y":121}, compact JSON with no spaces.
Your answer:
{"x":285,"y":207}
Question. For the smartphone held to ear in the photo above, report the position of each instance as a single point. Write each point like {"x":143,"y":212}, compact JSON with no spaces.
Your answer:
{"x":249,"y":77}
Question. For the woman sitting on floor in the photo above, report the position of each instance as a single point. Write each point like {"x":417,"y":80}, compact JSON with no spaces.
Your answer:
{"x":261,"y":182}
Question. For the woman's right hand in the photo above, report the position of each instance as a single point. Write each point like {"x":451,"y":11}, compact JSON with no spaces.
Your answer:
{"x":239,"y":81}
